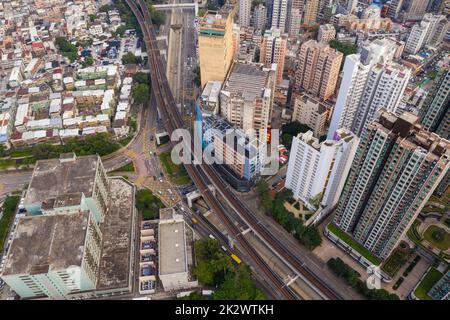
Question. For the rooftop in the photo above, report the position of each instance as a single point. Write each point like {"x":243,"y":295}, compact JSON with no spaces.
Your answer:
{"x":46,"y":243}
{"x":56,"y":180}
{"x":172,"y":247}
{"x":117,"y":230}
{"x":248,"y":80}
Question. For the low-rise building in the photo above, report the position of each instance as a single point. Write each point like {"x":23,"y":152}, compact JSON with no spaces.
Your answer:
{"x":175,"y":251}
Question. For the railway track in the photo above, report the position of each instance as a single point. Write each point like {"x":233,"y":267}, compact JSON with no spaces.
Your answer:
{"x":172,"y":120}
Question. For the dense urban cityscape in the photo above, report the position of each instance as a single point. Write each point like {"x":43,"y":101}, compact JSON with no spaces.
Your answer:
{"x":224,"y":150}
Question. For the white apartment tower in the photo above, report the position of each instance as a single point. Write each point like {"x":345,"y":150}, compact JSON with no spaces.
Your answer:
{"x":384,"y":88}
{"x":357,"y":68}
{"x":295,"y":16}
{"x":280,"y":14}
{"x":259,"y":17}
{"x":417,"y":37}
{"x":273,"y":50}
{"x":317,"y":171}
{"x":245,"y":7}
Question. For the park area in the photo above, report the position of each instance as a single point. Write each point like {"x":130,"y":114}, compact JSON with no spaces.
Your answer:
{"x":427,"y":283}
{"x":148,"y":204}
{"x":176,"y":172}
{"x":438,"y":237}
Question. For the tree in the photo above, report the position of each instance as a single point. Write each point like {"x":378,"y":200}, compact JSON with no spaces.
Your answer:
{"x":3,"y":151}
{"x":105,"y":8}
{"x":85,"y":43}
{"x":141,"y":77}
{"x":294,"y":128}
{"x":67,"y":49}
{"x":238,"y":287}
{"x":141,"y":94}
{"x":346,"y":49}
{"x":197,"y":78}
{"x":120,"y":31}
{"x":212,"y":264}
{"x":148,"y":204}
{"x":92,"y":17}
{"x":88,"y":61}
{"x":129,"y":58}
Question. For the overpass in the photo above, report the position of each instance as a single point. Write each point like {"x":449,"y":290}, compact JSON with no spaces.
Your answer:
{"x":177,"y":6}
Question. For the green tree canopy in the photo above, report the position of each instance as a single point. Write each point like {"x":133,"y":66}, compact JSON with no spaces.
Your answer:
{"x":141,"y":94}
{"x":129,"y":58}
{"x":148,"y":204}
{"x":141,"y":77}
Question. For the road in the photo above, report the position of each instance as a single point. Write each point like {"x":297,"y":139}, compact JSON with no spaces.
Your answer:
{"x":172,"y":120}
{"x":138,"y":152}
{"x":14,"y":180}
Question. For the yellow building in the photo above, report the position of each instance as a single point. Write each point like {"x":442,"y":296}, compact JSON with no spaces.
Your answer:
{"x":215,"y":44}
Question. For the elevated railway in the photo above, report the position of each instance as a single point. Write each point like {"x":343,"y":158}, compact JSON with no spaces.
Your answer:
{"x":172,"y":120}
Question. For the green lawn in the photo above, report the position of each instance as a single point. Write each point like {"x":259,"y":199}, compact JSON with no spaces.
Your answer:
{"x":395,"y":261}
{"x":177,"y":173}
{"x":148,"y":204}
{"x":427,"y":283}
{"x":443,"y":243}
{"x":7,"y":163}
{"x":355,"y":245}
{"x":126,"y":168}
{"x":125,"y":141}
{"x":9,"y":207}
{"x":19,"y":153}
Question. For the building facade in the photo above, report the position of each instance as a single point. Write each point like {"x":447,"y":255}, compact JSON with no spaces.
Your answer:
{"x":245,"y":7}
{"x":356,"y":71}
{"x":396,"y":169}
{"x":318,"y":69}
{"x":259,"y":17}
{"x":311,"y":112}
{"x":215,"y":44}
{"x":435,"y":114}
{"x":280,"y":15}
{"x":246,"y":99}
{"x":327,"y":32}
{"x":273,"y":50}
{"x":315,"y":170}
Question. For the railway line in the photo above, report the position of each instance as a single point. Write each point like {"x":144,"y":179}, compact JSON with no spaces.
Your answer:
{"x":172,"y":120}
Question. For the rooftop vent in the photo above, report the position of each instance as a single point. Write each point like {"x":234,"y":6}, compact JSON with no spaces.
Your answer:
{"x":67,"y":157}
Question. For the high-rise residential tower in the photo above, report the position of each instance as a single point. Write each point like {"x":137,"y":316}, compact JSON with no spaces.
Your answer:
{"x":317,"y":171}
{"x":309,"y":13}
{"x":215,"y":44}
{"x":245,"y":7}
{"x":416,"y":9}
{"x":430,"y":31}
{"x":246,"y":98}
{"x":435,"y":114}
{"x":273,"y":50}
{"x":280,"y":14}
{"x":326,"y":33}
{"x":396,"y":169}
{"x":385,"y":86}
{"x":260,"y":17}
{"x":357,"y":68}
{"x":318,"y":69}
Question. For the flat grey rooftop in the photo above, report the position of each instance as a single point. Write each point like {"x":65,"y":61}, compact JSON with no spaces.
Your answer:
{"x":117,"y":231}
{"x":172,"y":248}
{"x":248,"y":80}
{"x":53,"y":179}
{"x":45,"y":243}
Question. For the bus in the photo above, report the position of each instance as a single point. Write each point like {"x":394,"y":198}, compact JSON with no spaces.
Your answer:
{"x":236,"y":258}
